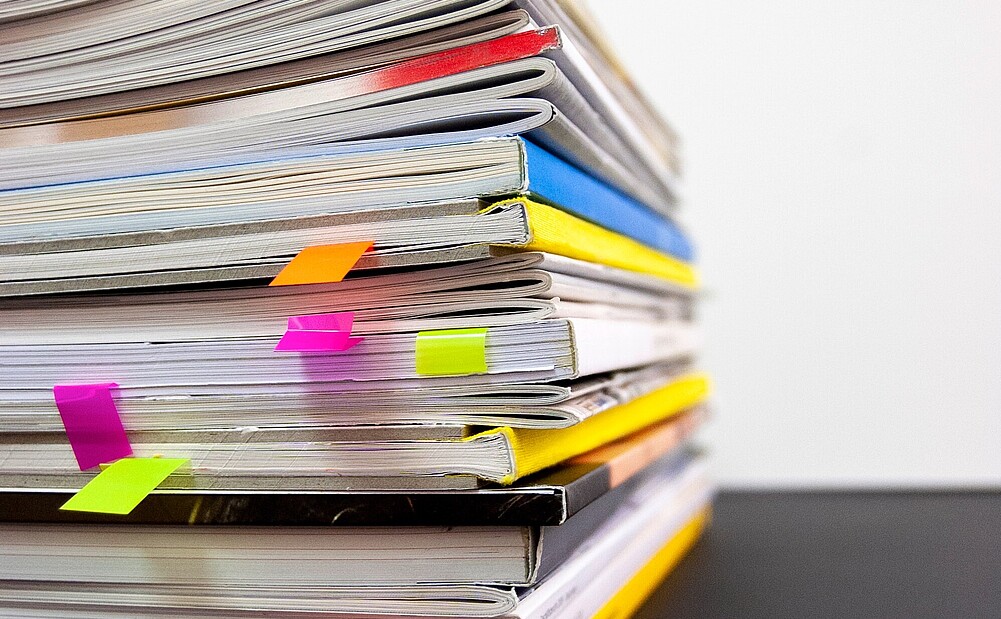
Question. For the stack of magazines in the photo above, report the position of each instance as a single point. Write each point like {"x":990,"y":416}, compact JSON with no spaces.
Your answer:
{"x":359,"y":308}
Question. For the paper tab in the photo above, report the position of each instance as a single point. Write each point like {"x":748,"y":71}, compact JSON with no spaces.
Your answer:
{"x":123,"y":485}
{"x":319,"y":332}
{"x":452,"y":352}
{"x":321,"y":264}
{"x":92,"y":424}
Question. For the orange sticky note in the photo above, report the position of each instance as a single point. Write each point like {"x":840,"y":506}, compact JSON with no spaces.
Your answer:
{"x":321,"y":264}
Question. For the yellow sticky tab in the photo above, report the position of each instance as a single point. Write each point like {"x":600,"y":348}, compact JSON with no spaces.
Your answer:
{"x":123,"y":485}
{"x":452,"y":352}
{"x":321,"y":264}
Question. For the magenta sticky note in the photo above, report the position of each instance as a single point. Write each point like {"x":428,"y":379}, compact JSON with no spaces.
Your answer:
{"x":319,"y":333}
{"x":92,"y":424}
{"x":337,"y":321}
{"x":316,"y":341}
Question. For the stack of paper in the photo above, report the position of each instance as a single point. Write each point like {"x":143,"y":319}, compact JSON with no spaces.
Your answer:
{"x":388,"y":294}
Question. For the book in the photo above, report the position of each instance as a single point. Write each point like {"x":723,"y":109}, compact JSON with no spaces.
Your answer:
{"x":369,"y":308}
{"x":40,"y":218}
{"x":544,"y":350}
{"x":667,"y":503}
{"x":587,"y":57}
{"x":260,"y":79}
{"x":336,"y":406}
{"x":606,"y":83}
{"x":564,"y":595}
{"x":97,"y":48}
{"x":631,"y":596}
{"x":509,"y":288}
{"x":500,"y":455}
{"x":224,"y":254}
{"x":187,"y":353}
{"x":547,"y":498}
{"x":490,"y":89}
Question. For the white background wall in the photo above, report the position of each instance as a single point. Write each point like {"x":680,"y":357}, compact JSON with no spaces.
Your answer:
{"x":844,"y":182}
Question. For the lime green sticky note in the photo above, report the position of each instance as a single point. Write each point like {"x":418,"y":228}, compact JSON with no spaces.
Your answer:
{"x":452,"y":352}
{"x":120,"y":487}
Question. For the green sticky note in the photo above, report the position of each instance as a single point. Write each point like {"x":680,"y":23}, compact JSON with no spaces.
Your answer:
{"x":123,"y":485}
{"x":452,"y":352}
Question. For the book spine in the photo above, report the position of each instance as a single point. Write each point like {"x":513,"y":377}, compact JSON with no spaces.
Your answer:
{"x":561,"y":183}
{"x":534,"y":450}
{"x":631,"y":596}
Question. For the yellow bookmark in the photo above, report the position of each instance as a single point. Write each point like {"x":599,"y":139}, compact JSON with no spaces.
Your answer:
{"x":452,"y":352}
{"x":123,"y":485}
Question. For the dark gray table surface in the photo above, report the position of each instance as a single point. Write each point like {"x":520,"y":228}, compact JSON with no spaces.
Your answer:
{"x":817,"y":555}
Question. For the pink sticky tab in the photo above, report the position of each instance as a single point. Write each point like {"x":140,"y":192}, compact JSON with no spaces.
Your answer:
{"x":338,"y":321}
{"x":92,"y":424}
{"x":318,"y":333}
